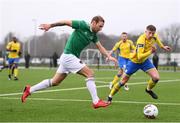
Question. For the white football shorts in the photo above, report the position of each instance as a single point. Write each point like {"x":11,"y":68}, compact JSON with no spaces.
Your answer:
{"x":69,"y":64}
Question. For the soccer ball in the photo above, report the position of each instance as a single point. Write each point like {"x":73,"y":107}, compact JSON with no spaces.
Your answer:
{"x":150,"y":111}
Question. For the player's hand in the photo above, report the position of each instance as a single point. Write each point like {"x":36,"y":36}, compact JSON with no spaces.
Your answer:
{"x":45,"y":27}
{"x":153,"y":49}
{"x":110,"y":58}
{"x":106,"y":59}
{"x":167,"y":48}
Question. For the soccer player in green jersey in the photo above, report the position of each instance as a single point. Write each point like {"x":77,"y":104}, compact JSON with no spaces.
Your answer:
{"x":82,"y":36}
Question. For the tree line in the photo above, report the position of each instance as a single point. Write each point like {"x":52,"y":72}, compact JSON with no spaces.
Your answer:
{"x":48,"y":43}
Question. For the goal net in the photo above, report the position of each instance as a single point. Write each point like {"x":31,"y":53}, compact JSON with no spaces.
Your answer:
{"x":93,"y":57}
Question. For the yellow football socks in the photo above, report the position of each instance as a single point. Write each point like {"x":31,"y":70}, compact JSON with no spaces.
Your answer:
{"x":116,"y":79}
{"x":16,"y":71}
{"x":115,"y":89}
{"x":151,"y":84}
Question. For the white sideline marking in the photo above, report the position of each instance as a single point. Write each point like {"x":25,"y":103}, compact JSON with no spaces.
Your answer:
{"x":80,"y":88}
{"x":140,"y":83}
{"x":111,"y":78}
{"x":79,"y":100}
{"x":55,"y":90}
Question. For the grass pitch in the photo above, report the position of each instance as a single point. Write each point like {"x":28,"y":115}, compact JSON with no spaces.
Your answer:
{"x":71,"y":102}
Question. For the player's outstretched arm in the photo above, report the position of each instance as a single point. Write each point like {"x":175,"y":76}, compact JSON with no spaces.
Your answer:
{"x":46,"y":27}
{"x":111,"y":52}
{"x":167,"y":48}
{"x":104,"y":52}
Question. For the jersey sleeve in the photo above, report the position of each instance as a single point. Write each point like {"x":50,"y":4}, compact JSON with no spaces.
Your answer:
{"x":95,"y":40}
{"x":158,"y":41}
{"x":132,"y":45}
{"x":116,"y":46}
{"x":8,"y":46}
{"x":140,"y":49}
{"x":79,"y":24}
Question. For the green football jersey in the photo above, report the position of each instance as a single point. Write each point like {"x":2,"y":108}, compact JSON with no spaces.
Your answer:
{"x":80,"y":38}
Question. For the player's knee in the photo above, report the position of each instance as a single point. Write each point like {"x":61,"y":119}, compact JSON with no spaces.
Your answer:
{"x":90,"y":74}
{"x":155,"y":79}
{"x":10,"y":66}
{"x":15,"y":65}
{"x":120,"y":71}
{"x":119,"y":75}
{"x":125,"y":78}
{"x":54,"y":82}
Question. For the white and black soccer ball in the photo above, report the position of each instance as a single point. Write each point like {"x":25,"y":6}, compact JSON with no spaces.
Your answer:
{"x":150,"y":111}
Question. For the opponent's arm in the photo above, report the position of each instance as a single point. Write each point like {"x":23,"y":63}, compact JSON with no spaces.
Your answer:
{"x":104,"y":52}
